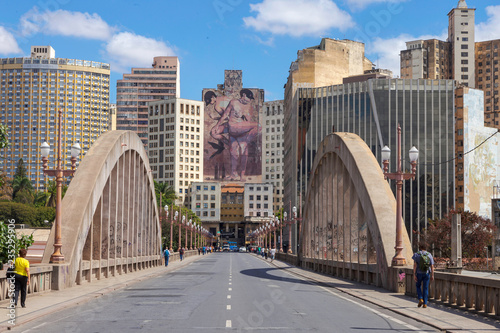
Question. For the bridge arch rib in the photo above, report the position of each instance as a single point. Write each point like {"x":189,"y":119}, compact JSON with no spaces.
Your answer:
{"x":348,"y":226}
{"x":110,"y":222}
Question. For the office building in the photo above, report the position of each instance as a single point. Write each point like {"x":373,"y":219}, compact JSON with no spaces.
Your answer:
{"x":141,"y":86}
{"x":373,"y":109}
{"x":176,"y":143}
{"x":272,"y":149}
{"x":325,"y":64}
{"x":32,"y":91}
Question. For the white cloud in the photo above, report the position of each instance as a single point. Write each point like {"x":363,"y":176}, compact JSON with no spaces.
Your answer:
{"x":384,"y":53}
{"x":490,"y":29}
{"x":8,"y":44}
{"x":66,"y":23}
{"x":360,"y":4}
{"x":127,"y":49}
{"x":297,"y":17}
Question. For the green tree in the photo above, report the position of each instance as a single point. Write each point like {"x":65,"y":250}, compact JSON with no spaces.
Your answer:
{"x":165,"y":194}
{"x":21,"y":183}
{"x":5,"y":188}
{"x":10,"y":243}
{"x":52,"y":192}
{"x":4,"y":136}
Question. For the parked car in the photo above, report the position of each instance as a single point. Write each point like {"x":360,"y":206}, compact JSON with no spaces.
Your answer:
{"x":243,"y":249}
{"x":226,"y":248}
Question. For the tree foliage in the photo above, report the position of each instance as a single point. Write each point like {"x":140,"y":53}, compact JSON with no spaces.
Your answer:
{"x":4,"y":136}
{"x":165,"y":192}
{"x":22,"y":184}
{"x":477,"y":233}
{"x":26,"y":214}
{"x":10,"y":243}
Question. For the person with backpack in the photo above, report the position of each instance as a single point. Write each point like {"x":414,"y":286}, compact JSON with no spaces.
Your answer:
{"x":166,"y":254}
{"x":181,"y":253}
{"x":423,"y":273}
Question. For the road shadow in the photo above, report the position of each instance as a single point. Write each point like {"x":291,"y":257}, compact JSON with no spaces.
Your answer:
{"x":266,"y":273}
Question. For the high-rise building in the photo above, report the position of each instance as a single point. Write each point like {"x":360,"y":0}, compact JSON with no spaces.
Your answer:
{"x":176,"y":143}
{"x":112,"y":117}
{"x":373,"y":109}
{"x":272,"y":149}
{"x":141,"y":86}
{"x":471,"y":64}
{"x":32,"y":91}
{"x":233,"y":137}
{"x":325,"y":64}
{"x":487,"y":79}
{"x":461,"y":37}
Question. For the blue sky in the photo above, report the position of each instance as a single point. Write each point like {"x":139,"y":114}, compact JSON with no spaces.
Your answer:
{"x":260,"y":37}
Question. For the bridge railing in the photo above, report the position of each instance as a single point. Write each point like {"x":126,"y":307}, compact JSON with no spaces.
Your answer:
{"x":478,"y":294}
{"x":41,"y":276}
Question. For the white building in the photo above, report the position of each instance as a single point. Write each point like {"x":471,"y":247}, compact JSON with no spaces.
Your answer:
{"x":258,"y":200}
{"x":204,"y":200}
{"x":272,"y":149}
{"x":176,"y":143}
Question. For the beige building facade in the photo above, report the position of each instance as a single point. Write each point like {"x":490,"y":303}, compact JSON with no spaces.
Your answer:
{"x":273,"y":150}
{"x":176,"y":143}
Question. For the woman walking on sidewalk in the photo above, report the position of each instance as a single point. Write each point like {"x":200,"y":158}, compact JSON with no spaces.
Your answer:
{"x":22,"y":275}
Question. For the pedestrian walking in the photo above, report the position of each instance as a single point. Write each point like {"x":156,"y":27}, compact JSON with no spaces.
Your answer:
{"x":181,"y":253}
{"x":22,"y":277}
{"x":199,"y":251}
{"x":266,"y":253}
{"x":423,"y":272}
{"x":166,"y":254}
{"x":273,"y":253}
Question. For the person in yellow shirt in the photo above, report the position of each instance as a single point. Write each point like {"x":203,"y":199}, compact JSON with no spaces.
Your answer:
{"x":22,"y":272}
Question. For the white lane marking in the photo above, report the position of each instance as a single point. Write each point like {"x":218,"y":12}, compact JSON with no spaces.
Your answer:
{"x":230,"y":289}
{"x":228,"y":323}
{"x":411,"y":327}
{"x":228,"y":307}
{"x":230,"y":283}
{"x":228,"y":296}
{"x":36,"y":327}
{"x":273,"y":286}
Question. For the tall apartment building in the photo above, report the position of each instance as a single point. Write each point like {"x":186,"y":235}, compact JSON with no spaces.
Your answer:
{"x":453,"y":59}
{"x":272,"y":149}
{"x":322,"y":65}
{"x":32,"y":91}
{"x":204,"y":200}
{"x":487,"y":79}
{"x":472,"y":64}
{"x":141,"y":86}
{"x":176,"y":143}
{"x":112,"y":117}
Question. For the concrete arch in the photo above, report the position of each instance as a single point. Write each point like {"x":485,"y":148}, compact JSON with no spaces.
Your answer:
{"x":110,"y":221}
{"x":349,"y":221}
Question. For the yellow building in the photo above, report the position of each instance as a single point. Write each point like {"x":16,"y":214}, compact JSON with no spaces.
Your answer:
{"x":32,"y":91}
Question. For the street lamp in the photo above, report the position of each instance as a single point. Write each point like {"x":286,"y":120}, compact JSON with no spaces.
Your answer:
{"x":180,"y":231}
{"x":176,"y":216}
{"x":399,"y":176}
{"x":280,"y":225}
{"x":166,"y":217}
{"x":58,"y":173}
{"x":191,"y":235}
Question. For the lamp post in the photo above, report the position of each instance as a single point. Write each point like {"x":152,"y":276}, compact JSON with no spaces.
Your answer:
{"x":399,"y":176}
{"x":281,"y":231}
{"x":176,"y":216}
{"x":280,"y":226}
{"x":59,"y":173}
{"x":191,"y":227}
{"x":180,"y":230}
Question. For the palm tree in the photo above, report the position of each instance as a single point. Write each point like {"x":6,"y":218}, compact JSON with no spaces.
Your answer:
{"x":21,"y":182}
{"x":52,"y":192}
{"x":165,"y":194}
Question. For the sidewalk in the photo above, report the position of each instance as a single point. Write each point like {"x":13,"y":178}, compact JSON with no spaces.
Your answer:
{"x":440,"y":317}
{"x":43,"y":304}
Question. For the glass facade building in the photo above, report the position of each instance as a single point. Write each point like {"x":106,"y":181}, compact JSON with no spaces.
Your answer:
{"x":373,"y":109}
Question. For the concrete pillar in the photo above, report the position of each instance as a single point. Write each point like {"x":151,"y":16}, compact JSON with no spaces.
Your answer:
{"x":456,"y":241}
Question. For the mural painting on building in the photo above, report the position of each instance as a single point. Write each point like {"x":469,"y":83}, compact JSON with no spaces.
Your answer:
{"x":233,"y":136}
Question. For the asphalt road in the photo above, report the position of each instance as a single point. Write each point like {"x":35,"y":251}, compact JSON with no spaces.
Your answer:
{"x":225,"y":292}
